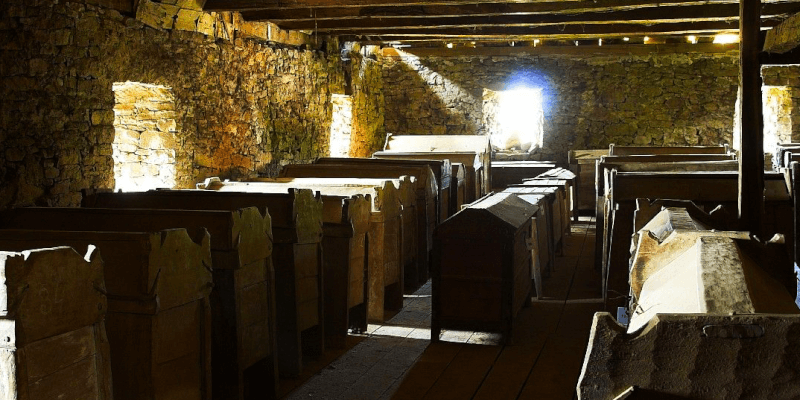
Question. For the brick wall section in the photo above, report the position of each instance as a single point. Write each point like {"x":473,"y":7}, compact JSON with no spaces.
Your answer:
{"x":242,"y":106}
{"x":590,"y":101}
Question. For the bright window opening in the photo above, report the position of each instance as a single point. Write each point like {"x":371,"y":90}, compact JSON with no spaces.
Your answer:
{"x":514,"y":119}
{"x":144,"y":142}
{"x":341,"y":125}
{"x":777,"y":103}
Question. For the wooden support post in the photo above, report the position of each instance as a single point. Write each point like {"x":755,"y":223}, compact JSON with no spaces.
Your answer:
{"x":751,"y":157}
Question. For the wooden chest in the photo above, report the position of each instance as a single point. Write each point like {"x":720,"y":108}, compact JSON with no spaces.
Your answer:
{"x":544,"y":250}
{"x":414,"y":212}
{"x":475,"y":170}
{"x":159,"y":317}
{"x":507,"y":173}
{"x":555,"y":209}
{"x":55,"y":344}
{"x":564,"y":200}
{"x":582,"y":164}
{"x":346,"y":220}
{"x":482,"y":266}
{"x":458,"y":147}
{"x":614,"y":150}
{"x":441,"y":170}
{"x":385,"y":279}
{"x":425,"y":208}
{"x":458,"y":188}
{"x":706,"y":189}
{"x":572,"y":183}
{"x":297,"y":256}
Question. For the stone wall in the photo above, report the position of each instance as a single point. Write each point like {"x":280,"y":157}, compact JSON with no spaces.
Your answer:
{"x":368,"y":131}
{"x":590,"y":100}
{"x":781,"y":103}
{"x":242,"y":106}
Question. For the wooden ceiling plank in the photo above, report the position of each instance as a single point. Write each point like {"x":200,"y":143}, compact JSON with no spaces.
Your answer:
{"x":241,"y":5}
{"x":554,"y":31}
{"x":626,"y":50}
{"x":650,"y":14}
{"x":436,"y":11}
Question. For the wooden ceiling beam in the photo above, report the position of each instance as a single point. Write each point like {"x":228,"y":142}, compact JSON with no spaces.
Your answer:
{"x":482,"y":9}
{"x":626,"y":50}
{"x":570,"y":32}
{"x":240,"y":5}
{"x":682,"y":13}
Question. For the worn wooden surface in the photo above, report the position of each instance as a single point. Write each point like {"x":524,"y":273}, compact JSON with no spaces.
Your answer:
{"x":582,"y":164}
{"x":614,"y":150}
{"x":476,"y":177}
{"x":708,"y":189}
{"x":384,"y":248}
{"x":482,"y":260}
{"x":542,"y":224}
{"x":556,"y":209}
{"x":751,"y":120}
{"x":698,"y":293}
{"x":449,"y":144}
{"x":53,"y":323}
{"x":244,"y":295}
{"x":441,"y":171}
{"x":565,"y":196}
{"x":544,"y":360}
{"x":506,"y":173}
{"x":158,"y":324}
{"x":346,"y":222}
{"x":650,"y":163}
{"x":458,"y":191}
{"x":411,"y":262}
{"x":297,"y":249}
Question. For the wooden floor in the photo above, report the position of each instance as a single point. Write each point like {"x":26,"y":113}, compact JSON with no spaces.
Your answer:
{"x":398,"y":361}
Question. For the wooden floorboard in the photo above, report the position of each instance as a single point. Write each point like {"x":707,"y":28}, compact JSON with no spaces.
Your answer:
{"x":430,"y":366}
{"x":543,"y":360}
{"x":555,"y":375}
{"x":465,"y":373}
{"x":512,"y":368}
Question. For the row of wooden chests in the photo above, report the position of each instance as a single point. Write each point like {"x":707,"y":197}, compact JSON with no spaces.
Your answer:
{"x":667,"y":227}
{"x":215,"y":292}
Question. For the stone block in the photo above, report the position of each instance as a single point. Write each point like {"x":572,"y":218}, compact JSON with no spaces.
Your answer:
{"x":102,"y":117}
{"x":15,"y":154}
{"x":187,"y":20}
{"x":155,"y":15}
{"x":191,"y":4}
{"x":150,"y":140}
{"x":167,"y":125}
{"x":203,"y":160}
{"x":206,"y":24}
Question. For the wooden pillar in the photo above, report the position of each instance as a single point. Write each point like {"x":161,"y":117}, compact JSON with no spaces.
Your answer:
{"x":751,"y":156}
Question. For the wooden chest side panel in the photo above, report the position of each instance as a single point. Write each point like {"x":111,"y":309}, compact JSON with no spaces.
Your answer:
{"x":471,"y":258}
{"x":309,"y":290}
{"x":181,"y":268}
{"x":44,"y":301}
{"x":72,"y":365}
{"x":357,"y":270}
{"x":470,"y":300}
{"x":180,"y":350}
{"x":130,"y":337}
{"x":392,"y":242}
